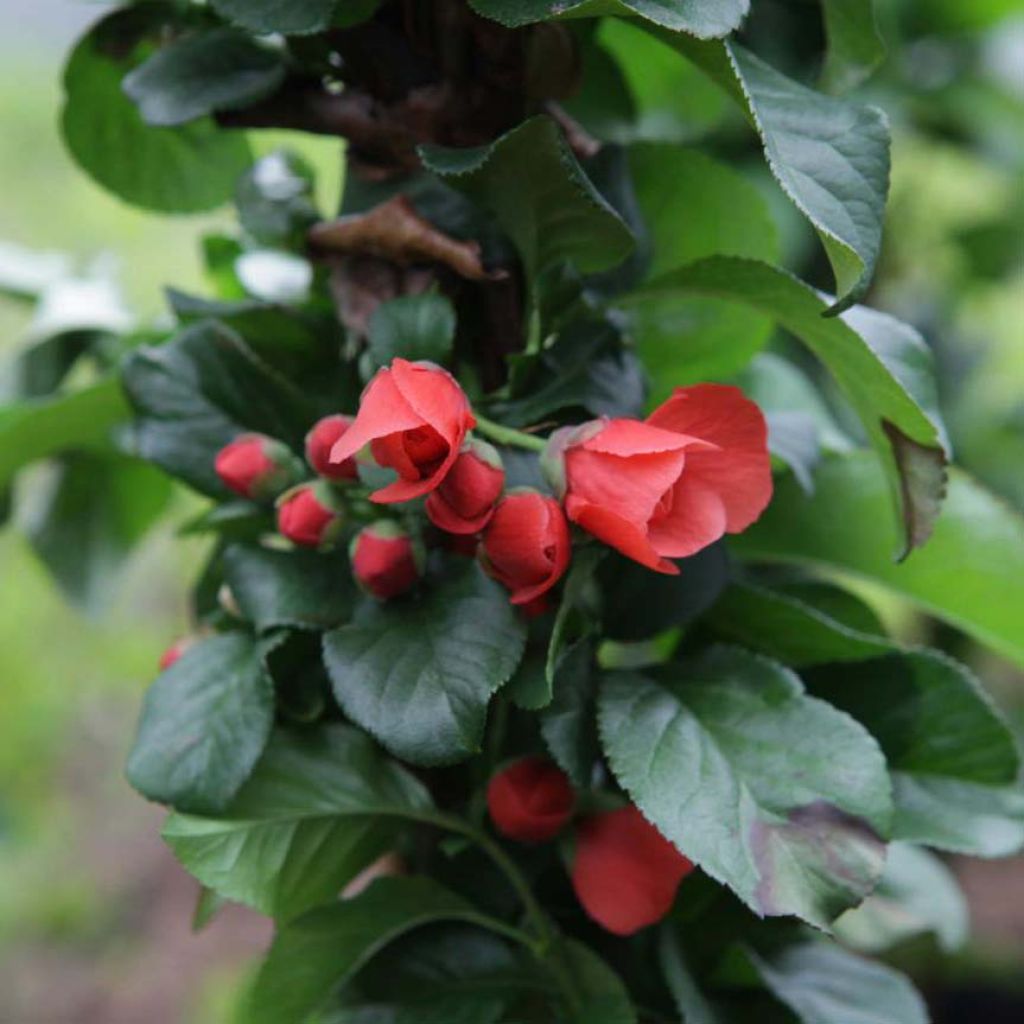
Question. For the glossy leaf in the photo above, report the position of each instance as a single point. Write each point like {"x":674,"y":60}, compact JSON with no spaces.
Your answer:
{"x":830,"y":156}
{"x":968,"y":574}
{"x":592,"y":993}
{"x":694,"y":16}
{"x":532,"y":183}
{"x":204,"y":724}
{"x":323,"y":949}
{"x":413,"y":327}
{"x":883,"y":366}
{"x":302,"y":589}
{"x":201,"y":73}
{"x":418,"y":674}
{"x":198,"y":392}
{"x":772,"y":792}
{"x":285,"y":16}
{"x":569,"y":722}
{"x":320,"y":806}
{"x":855,"y":47}
{"x":183,"y":169}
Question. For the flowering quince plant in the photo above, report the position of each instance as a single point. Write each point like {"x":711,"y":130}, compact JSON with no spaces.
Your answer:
{"x":523,"y":684}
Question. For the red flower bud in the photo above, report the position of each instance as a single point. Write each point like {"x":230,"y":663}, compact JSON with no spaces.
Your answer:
{"x":697,"y":468}
{"x":530,"y":800}
{"x":309,"y":515}
{"x":464,"y":501}
{"x":257,"y":467}
{"x":174,"y":652}
{"x":319,"y":442}
{"x":385,"y":560}
{"x":526,"y":544}
{"x":625,"y":872}
{"x":414,"y":416}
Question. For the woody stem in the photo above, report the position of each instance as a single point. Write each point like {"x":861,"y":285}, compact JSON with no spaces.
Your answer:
{"x":508,"y":436}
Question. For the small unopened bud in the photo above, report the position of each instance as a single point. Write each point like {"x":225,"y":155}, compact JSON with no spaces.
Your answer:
{"x":257,"y":467}
{"x":386,"y":561}
{"x":175,"y":651}
{"x":319,"y":442}
{"x":465,"y":500}
{"x":310,"y":515}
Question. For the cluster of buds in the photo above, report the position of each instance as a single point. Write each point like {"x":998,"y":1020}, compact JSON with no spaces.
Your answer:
{"x":624,"y":872}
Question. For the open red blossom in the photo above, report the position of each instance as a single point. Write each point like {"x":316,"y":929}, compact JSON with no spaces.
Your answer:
{"x":466,"y":498}
{"x":697,"y":468}
{"x":414,"y":417}
{"x":308,"y":516}
{"x":385,"y":560}
{"x":526,"y":545}
{"x":531,"y":800}
{"x":625,"y":872}
{"x":256,"y":467}
{"x":319,"y":442}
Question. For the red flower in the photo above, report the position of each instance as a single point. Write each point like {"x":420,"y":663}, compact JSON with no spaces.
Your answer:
{"x":625,"y":872}
{"x":319,"y":442}
{"x":415,"y":417}
{"x":385,"y":561}
{"x":531,"y":800}
{"x":256,"y":467}
{"x":309,"y":516}
{"x":174,"y":652}
{"x":465,"y":500}
{"x":526,"y":544}
{"x":697,"y":468}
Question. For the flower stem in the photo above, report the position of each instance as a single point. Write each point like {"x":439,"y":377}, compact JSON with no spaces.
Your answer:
{"x":508,"y":435}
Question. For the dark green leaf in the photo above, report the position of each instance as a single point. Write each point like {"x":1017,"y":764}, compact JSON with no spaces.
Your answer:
{"x":314,"y":955}
{"x":275,"y":200}
{"x":418,"y":674}
{"x":320,"y":806}
{"x":198,"y":392}
{"x":89,"y":517}
{"x":772,"y":792}
{"x":175,"y":170}
{"x":855,"y":48}
{"x":285,"y":16}
{"x":824,"y":984}
{"x":300,"y":588}
{"x":200,"y":73}
{"x":532,"y":183}
{"x":829,"y":156}
{"x":413,"y":327}
{"x":204,"y":724}
{"x":698,"y":17}
{"x":639,"y":603}
{"x":917,"y":894}
{"x":592,"y":993}
{"x":38,"y":369}
{"x":35,"y":429}
{"x":969,"y":574}
{"x":569,"y":723}
{"x":690,"y":1000}
{"x":883,"y":366}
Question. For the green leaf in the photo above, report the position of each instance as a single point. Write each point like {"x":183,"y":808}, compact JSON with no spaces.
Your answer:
{"x":314,"y":955}
{"x":413,"y":327}
{"x":969,"y":574}
{"x":708,"y":209}
{"x":855,"y":47}
{"x":418,"y":674}
{"x":204,"y":724}
{"x":182,"y":169}
{"x":320,"y":806}
{"x":690,"y":1000}
{"x":569,"y":722}
{"x":698,"y":17}
{"x":532,"y":183}
{"x":275,"y":200}
{"x":883,"y":367}
{"x":592,"y":992}
{"x":289,"y":17}
{"x":37,"y":428}
{"x":773,"y":793}
{"x":917,"y":894}
{"x":638,"y":603}
{"x":200,"y":73}
{"x":952,"y":757}
{"x":300,"y":588}
{"x":201,"y":390}
{"x":831,"y":157}
{"x":88,"y":518}
{"x":824,"y":984}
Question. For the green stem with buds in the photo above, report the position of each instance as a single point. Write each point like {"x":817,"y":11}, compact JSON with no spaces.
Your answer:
{"x":508,"y":435}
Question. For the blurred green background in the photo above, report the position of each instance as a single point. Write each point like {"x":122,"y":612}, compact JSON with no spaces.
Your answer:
{"x":94,"y":915}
